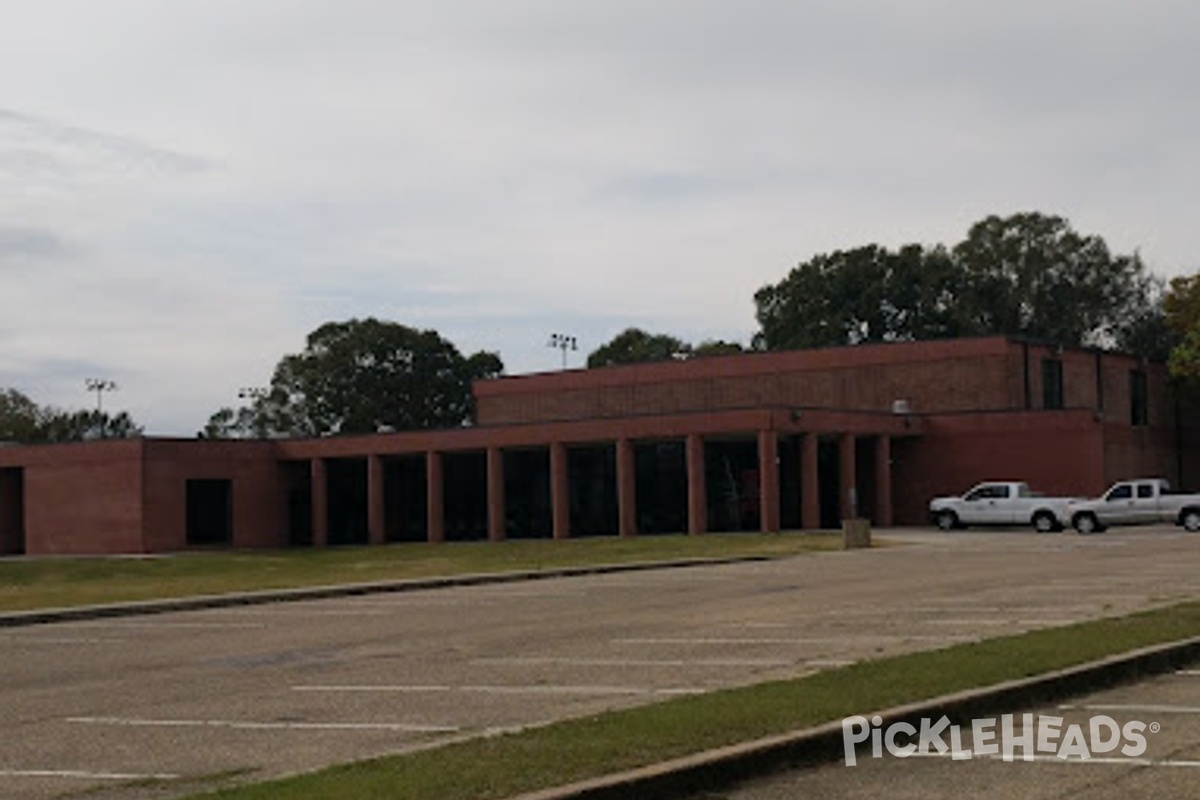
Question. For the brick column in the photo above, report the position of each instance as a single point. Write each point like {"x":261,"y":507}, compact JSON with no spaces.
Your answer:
{"x":883,"y":481}
{"x":768,"y":481}
{"x":846,"y":474}
{"x":810,"y":482}
{"x":560,"y":491}
{"x":697,"y":492}
{"x":435,"y":493}
{"x":376,"y":532}
{"x":626,"y":489}
{"x":495,"y":494}
{"x":320,"y":502}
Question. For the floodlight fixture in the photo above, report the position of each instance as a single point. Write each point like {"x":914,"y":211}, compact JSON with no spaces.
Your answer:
{"x":563,"y":342}
{"x":100,"y":386}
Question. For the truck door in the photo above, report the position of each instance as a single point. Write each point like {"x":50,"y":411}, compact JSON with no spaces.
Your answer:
{"x":1118,"y":508}
{"x":986,"y":505}
{"x":1145,"y":504}
{"x":1020,"y":504}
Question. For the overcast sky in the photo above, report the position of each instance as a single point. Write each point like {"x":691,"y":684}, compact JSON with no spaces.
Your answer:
{"x":188,"y":187}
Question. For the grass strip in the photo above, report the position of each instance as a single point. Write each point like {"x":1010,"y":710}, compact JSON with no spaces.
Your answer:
{"x":593,"y":746}
{"x":37,"y":583}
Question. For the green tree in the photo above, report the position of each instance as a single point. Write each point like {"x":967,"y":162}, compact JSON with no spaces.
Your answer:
{"x":868,"y":294}
{"x":1031,"y":274}
{"x":1181,"y":306}
{"x":20,"y":417}
{"x":23,"y":420}
{"x":636,"y":346}
{"x":74,"y":426}
{"x":1028,"y":274}
{"x":363,"y":376}
{"x":1145,"y":332}
{"x":241,"y":423}
{"x":716,"y":347}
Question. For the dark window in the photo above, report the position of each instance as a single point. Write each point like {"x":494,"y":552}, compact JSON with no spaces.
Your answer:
{"x":1052,"y":383}
{"x":988,"y":493}
{"x":1138,"y":406}
{"x":209,"y":512}
{"x":1122,"y":492}
{"x":1145,"y":490}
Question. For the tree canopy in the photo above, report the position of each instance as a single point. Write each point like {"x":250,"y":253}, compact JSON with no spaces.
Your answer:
{"x":869,"y":294}
{"x":23,"y":420}
{"x":636,"y":346}
{"x":1182,"y":311}
{"x":363,"y":376}
{"x":1028,"y":274}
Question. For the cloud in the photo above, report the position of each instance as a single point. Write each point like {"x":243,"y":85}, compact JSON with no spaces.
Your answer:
{"x":33,"y":141}
{"x":28,"y":242}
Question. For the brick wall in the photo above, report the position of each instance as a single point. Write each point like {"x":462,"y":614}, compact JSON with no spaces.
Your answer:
{"x":258,"y":503}
{"x":1058,"y":453}
{"x":963,"y":375}
{"x":83,"y":498}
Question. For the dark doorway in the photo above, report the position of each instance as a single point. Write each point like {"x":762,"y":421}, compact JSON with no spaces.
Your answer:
{"x":661,"y":469}
{"x":346,"y":480}
{"x":527,"y":494}
{"x":297,"y":482}
{"x":209,"y":512}
{"x":593,"y":488}
{"x":789,"y":483}
{"x":12,"y":511}
{"x":731,"y":475}
{"x":864,"y":476}
{"x":405,"y":516}
{"x":828,"y":475}
{"x":466,"y":496}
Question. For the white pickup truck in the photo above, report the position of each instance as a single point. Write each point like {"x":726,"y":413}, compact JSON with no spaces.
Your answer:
{"x":1137,"y":502}
{"x":1000,"y":503}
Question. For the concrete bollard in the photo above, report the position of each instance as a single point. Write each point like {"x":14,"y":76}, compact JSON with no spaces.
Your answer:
{"x":856,"y":533}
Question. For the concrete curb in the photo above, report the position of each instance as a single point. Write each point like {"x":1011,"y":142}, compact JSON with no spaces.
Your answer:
{"x":727,"y":766}
{"x":42,"y":617}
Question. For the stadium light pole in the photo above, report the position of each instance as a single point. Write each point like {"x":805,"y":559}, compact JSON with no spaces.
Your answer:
{"x":100,"y":386}
{"x":563,"y":342}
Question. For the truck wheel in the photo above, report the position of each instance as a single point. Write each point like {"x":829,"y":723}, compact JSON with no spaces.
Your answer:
{"x":1086,"y":523}
{"x":1190,"y":520}
{"x":947,"y":520}
{"x":1044,"y":522}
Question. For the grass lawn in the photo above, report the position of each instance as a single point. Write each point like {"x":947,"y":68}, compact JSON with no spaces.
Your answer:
{"x":37,"y":583}
{"x":503,"y":766}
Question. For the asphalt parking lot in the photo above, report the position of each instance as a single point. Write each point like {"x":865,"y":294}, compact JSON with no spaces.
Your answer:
{"x":1169,"y":768}
{"x":105,"y":706}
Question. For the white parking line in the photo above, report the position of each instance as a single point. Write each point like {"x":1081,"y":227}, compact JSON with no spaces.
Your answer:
{"x":647,"y":662}
{"x":85,"y":775}
{"x":182,"y":625}
{"x":500,"y":689}
{"x":71,"y":640}
{"x":264,"y":726}
{"x":1189,"y":672}
{"x":1149,"y":708}
{"x":791,"y":640}
{"x":325,"y":612}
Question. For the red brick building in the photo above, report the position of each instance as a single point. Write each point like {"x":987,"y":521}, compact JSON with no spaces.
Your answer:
{"x":763,"y":441}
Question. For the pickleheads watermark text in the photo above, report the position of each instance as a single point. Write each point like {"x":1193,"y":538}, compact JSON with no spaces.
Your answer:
{"x":1038,"y":736}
